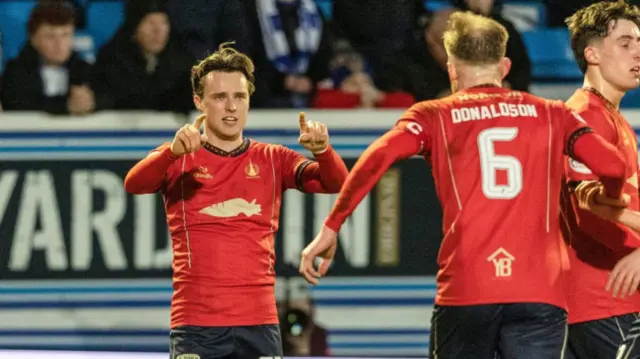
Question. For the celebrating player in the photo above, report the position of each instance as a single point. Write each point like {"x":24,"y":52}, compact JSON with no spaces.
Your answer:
{"x":496,"y":157}
{"x":606,"y":44}
{"x":222,"y":195}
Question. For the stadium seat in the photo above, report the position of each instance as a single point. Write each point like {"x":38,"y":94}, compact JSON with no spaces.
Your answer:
{"x":13,"y":27}
{"x":103,"y":20}
{"x":551,"y":55}
{"x":325,"y":7}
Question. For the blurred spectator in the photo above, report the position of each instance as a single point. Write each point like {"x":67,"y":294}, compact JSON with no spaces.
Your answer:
{"x":202,"y":25}
{"x":140,"y":68}
{"x":352,"y":86}
{"x":291,"y":51}
{"x":377,"y":29}
{"x":301,"y":335}
{"x":79,"y":11}
{"x":422,"y":68}
{"x":47,"y":75}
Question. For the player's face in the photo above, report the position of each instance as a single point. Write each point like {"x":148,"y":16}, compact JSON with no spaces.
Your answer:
{"x":226,"y":103}
{"x":619,"y":58}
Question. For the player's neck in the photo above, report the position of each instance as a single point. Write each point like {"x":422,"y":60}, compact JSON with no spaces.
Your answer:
{"x":608,"y":91}
{"x":224,"y":144}
{"x":479,"y":81}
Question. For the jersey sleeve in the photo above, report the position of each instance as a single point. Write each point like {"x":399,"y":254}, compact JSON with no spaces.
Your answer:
{"x":415,"y":121}
{"x":293,"y":165}
{"x":576,"y":125}
{"x":152,"y":172}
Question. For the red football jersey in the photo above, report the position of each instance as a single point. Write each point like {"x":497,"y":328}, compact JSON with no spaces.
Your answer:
{"x":496,"y":157}
{"x":222,"y":211}
{"x":595,"y":244}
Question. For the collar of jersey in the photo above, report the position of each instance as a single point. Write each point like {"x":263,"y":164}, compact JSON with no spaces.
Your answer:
{"x":234,"y":153}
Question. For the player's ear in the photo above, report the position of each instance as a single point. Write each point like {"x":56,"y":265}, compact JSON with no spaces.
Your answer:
{"x":505,"y":67}
{"x":592,"y":55}
{"x":198,"y":103}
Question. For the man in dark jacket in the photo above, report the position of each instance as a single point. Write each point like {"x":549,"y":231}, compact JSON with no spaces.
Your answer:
{"x":422,"y":70}
{"x":47,"y":75}
{"x":141,"y":67}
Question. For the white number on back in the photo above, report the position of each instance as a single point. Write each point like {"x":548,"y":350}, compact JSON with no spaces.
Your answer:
{"x":490,"y":163}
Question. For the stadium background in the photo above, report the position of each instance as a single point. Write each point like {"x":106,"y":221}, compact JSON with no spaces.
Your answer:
{"x":85,"y":266}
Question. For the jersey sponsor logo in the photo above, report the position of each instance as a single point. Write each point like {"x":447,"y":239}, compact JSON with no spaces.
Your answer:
{"x":579,"y":167}
{"x":233,"y":208}
{"x":414,"y":128}
{"x":202,"y":172}
{"x":501,"y":260}
{"x":252,"y":170}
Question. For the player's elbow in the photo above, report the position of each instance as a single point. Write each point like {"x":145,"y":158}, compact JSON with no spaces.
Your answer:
{"x":134,"y":185}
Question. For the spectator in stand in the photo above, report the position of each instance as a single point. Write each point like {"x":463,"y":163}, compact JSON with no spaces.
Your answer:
{"x":377,"y":29}
{"x":47,"y":75}
{"x":141,"y":68}
{"x":291,"y":50}
{"x":422,"y":68}
{"x":352,"y":86}
{"x":202,"y":25}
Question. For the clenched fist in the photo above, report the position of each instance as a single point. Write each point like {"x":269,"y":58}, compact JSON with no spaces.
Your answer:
{"x":313,"y":135}
{"x":189,"y":139}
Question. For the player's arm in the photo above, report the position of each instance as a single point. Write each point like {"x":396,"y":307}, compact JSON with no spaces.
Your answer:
{"x":406,"y":139}
{"x":593,"y":150}
{"x":324,"y":175}
{"x":603,"y":159}
{"x":148,"y":175}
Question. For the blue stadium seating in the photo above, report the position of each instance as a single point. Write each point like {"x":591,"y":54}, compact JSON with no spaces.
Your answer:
{"x":551,"y":56}
{"x":13,"y":26}
{"x":103,"y":20}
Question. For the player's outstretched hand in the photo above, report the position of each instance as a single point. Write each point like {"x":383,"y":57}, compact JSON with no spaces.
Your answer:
{"x":323,"y":246}
{"x":189,"y":139}
{"x":625,"y":276}
{"x":313,"y":135}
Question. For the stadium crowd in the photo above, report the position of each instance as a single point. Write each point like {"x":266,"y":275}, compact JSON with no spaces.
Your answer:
{"x":389,"y":58}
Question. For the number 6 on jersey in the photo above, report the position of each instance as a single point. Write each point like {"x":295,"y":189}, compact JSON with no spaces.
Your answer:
{"x":490,"y":163}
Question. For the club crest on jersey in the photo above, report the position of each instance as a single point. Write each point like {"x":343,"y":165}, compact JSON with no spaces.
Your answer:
{"x":252,"y":171}
{"x":578,"y":167}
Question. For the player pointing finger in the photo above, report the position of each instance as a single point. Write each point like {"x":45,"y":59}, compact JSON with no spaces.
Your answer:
{"x":189,"y":139}
{"x":313,"y":135}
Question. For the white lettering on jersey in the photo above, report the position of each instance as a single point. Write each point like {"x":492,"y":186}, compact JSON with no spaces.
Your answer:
{"x":579,"y":167}
{"x":233,"y":208}
{"x":414,"y":128}
{"x":492,"y":111}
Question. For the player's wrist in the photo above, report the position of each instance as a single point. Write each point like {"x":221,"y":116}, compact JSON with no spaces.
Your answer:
{"x":321,"y":151}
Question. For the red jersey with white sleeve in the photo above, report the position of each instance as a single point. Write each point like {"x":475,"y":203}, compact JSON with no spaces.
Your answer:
{"x":222,"y":211}
{"x":596,"y":244}
{"x":496,"y":158}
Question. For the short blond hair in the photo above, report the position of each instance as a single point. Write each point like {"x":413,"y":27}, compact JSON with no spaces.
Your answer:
{"x":226,"y":59}
{"x":475,"y":39}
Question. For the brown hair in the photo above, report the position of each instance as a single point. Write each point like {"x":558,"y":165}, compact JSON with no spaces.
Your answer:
{"x":226,"y":59}
{"x":475,"y":39}
{"x":592,"y":23}
{"x":56,"y":13}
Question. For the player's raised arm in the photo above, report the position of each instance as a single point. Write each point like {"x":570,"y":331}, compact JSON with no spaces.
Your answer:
{"x":404,"y":141}
{"x":324,"y":175}
{"x":147,"y":175}
{"x":601,"y":157}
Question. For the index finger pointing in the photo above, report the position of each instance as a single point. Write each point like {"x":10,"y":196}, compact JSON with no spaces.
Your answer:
{"x":198,"y":123}
{"x":303,"y":122}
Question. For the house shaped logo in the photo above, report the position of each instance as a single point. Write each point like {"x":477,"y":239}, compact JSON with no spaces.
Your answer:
{"x":502,"y":260}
